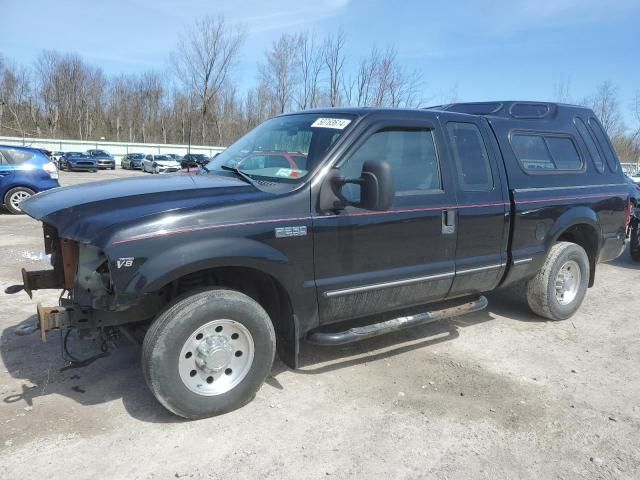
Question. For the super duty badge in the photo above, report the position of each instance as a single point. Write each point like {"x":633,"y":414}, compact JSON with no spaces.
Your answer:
{"x":284,"y":232}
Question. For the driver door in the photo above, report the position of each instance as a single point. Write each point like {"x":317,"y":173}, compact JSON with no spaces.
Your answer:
{"x":369,"y":262}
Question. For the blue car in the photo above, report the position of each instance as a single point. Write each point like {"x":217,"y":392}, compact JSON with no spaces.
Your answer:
{"x":71,"y":161}
{"x":24,"y":172}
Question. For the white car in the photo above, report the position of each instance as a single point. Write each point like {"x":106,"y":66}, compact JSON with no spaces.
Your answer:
{"x":159,"y":164}
{"x":55,"y":158}
{"x":635,"y":178}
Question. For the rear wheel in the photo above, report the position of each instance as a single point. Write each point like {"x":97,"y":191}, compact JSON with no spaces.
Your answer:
{"x":208,"y":353}
{"x":14,"y":197}
{"x":634,"y":241}
{"x":557,"y":291}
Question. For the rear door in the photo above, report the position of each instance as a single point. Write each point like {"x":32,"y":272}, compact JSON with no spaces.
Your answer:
{"x":483,"y":205}
{"x":371,"y":262}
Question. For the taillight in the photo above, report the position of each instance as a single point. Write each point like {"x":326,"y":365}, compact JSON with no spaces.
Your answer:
{"x":51,"y":169}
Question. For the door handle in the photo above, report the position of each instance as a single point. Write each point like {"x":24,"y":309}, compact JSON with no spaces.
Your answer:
{"x":449,"y":221}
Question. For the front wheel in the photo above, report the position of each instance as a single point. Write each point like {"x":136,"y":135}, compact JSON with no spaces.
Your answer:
{"x":208,"y":353}
{"x":558,"y":289}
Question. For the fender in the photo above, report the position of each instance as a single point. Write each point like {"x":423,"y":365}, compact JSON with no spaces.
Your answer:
{"x":578,"y":216}
{"x":182,"y":258}
{"x":574,"y":216}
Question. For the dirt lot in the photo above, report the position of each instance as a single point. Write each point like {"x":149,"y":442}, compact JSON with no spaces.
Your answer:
{"x":498,"y":394}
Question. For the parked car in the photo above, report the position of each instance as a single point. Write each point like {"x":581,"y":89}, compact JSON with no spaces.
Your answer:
{"x":24,"y":172}
{"x":55,"y":157}
{"x":635,"y":177}
{"x":78,"y":161}
{"x":46,"y":153}
{"x":634,"y":190}
{"x":132,"y":161}
{"x":159,"y":164}
{"x":397,"y":218}
{"x":194,"y":160}
{"x":103,"y":159}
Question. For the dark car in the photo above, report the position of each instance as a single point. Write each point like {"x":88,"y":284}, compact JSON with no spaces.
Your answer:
{"x":383,"y":219}
{"x":103,"y":159}
{"x":634,"y":190}
{"x":78,"y":161}
{"x":194,"y":160}
{"x":132,"y":161}
{"x":174,"y":156}
{"x":24,"y":172}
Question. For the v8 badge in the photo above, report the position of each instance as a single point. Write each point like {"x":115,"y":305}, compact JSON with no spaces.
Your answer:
{"x":125,"y":262}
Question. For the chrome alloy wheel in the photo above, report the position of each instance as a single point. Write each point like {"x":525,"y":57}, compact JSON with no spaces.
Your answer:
{"x":568,"y":282}
{"x":18,"y":197}
{"x":216,"y":357}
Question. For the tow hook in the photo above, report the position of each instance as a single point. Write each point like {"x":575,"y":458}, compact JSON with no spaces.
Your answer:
{"x":10,"y":290}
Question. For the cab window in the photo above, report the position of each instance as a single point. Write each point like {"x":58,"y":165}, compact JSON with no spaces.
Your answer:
{"x":470,"y":154}
{"x":411,"y":154}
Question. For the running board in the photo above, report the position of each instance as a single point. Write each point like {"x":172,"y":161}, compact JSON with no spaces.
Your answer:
{"x":356,"y":334}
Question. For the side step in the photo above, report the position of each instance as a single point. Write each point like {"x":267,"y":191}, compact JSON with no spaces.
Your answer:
{"x":356,"y":334}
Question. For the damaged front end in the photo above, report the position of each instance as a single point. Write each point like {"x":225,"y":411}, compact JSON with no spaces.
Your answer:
{"x":88,"y":302}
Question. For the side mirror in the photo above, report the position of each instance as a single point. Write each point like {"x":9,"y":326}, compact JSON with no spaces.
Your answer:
{"x":377,"y":188}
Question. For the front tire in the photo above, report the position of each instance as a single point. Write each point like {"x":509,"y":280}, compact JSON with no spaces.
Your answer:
{"x":14,"y":197}
{"x":557,"y":291}
{"x":208,"y":353}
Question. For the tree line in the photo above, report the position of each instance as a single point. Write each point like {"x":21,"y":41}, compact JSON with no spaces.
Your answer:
{"x":196,"y":99}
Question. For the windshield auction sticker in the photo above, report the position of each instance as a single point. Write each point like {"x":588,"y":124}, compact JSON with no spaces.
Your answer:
{"x":336,"y":123}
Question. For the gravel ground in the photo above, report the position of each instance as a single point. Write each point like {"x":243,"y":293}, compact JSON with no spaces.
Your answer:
{"x":497,"y":394}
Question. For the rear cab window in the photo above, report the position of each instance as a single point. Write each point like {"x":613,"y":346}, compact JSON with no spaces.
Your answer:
{"x":471,"y":159}
{"x":540,"y":153}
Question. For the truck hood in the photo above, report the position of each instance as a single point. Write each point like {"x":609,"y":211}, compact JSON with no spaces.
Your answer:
{"x":87,"y":212}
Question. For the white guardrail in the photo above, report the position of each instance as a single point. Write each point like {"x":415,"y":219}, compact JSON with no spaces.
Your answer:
{"x":117,"y":149}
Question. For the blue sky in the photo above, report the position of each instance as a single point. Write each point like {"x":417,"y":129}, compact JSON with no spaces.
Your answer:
{"x":482,"y":50}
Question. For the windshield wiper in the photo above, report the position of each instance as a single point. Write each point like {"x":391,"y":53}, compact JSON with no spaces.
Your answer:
{"x":238,"y":172}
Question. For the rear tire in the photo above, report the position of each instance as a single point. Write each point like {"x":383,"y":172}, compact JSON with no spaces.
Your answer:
{"x":13,"y":198}
{"x":208,"y":353}
{"x":634,"y":242}
{"x":557,"y":291}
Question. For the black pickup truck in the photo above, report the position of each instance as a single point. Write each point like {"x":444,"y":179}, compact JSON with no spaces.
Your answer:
{"x":332,"y":226}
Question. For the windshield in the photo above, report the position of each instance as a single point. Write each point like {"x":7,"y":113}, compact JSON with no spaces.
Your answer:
{"x":136,"y":156}
{"x":284,"y":149}
{"x":75,"y":154}
{"x":161,"y":157}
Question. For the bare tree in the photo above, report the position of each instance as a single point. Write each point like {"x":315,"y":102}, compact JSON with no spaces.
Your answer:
{"x":280,"y":71}
{"x":604,"y":102}
{"x":562,"y":91}
{"x":382,"y":82}
{"x":334,"y":60}
{"x":203,"y":60}
{"x":310,"y":66}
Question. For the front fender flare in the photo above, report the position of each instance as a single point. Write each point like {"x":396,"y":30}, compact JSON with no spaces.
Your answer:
{"x":183,"y":259}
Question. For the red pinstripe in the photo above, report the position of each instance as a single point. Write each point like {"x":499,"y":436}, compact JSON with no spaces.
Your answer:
{"x":358,"y":214}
